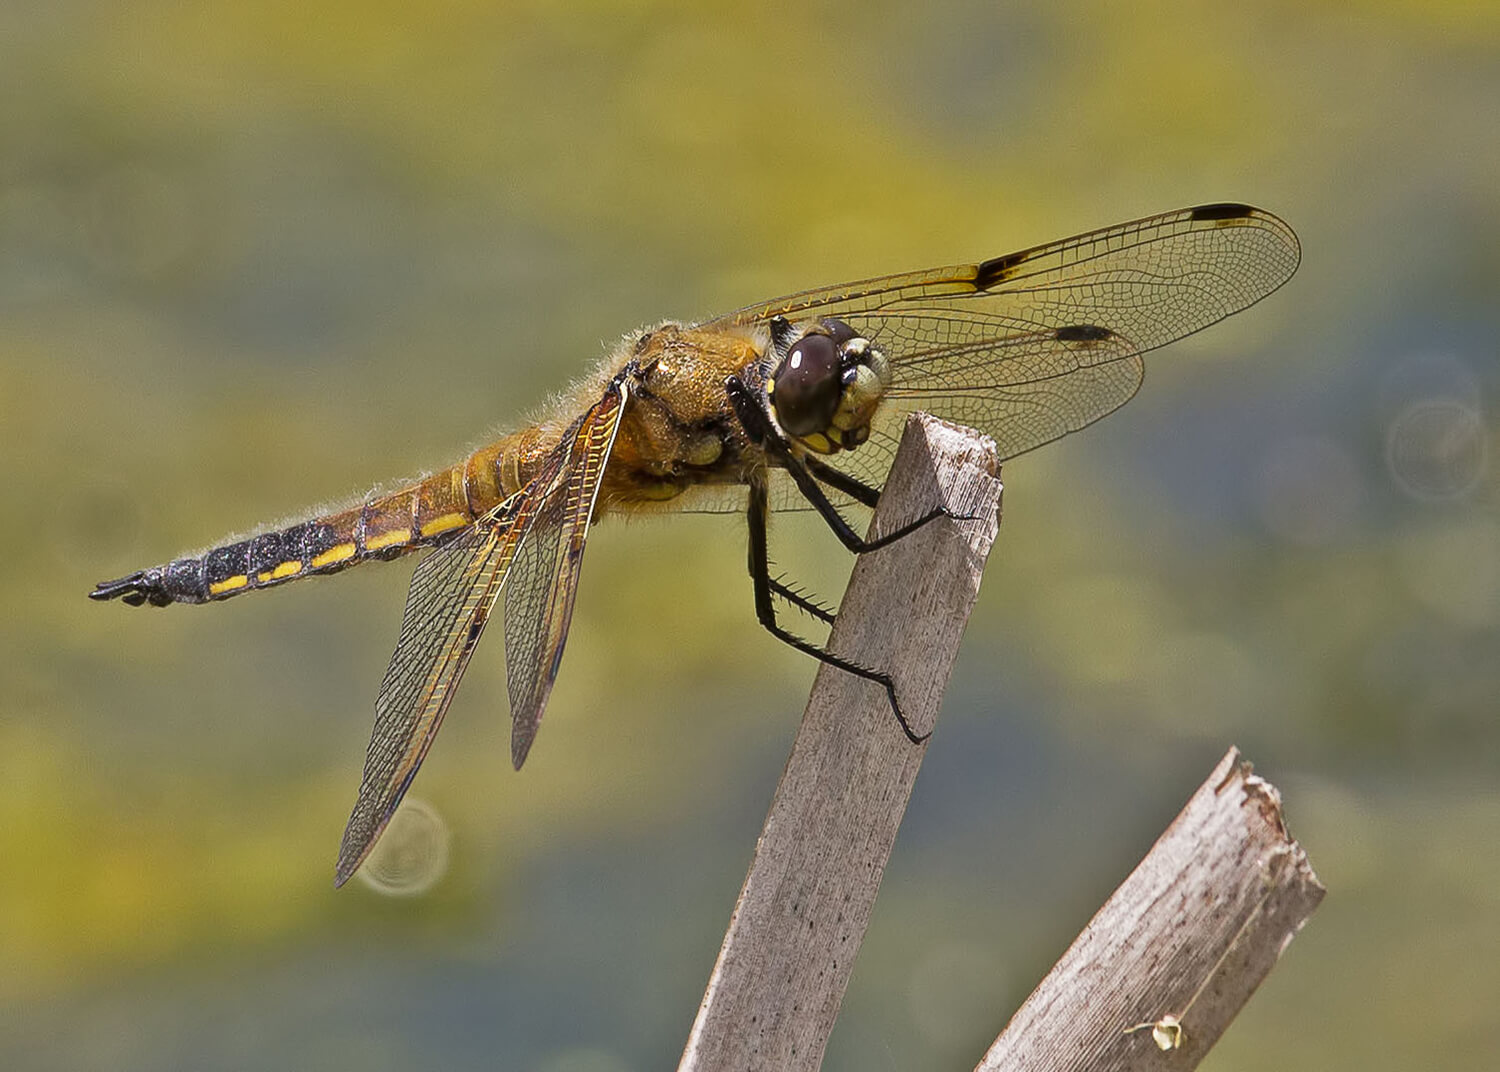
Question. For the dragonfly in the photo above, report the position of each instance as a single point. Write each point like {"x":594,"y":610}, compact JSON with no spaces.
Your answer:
{"x":795,"y":402}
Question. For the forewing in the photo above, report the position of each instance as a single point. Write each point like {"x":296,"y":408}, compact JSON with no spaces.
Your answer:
{"x":452,"y":592}
{"x":539,"y":603}
{"x":1033,"y":345}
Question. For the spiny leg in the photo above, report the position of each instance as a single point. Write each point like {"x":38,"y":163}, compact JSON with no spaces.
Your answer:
{"x":765,"y":610}
{"x":813,"y":492}
{"x":801,"y":600}
{"x":857,"y":490}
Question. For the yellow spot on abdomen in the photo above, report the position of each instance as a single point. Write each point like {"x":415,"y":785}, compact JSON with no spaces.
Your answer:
{"x":286,"y":569}
{"x":443,"y":524}
{"x":387,"y":539}
{"x":228,"y":584}
{"x":337,"y":553}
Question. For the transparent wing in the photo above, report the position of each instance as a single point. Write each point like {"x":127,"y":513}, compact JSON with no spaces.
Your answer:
{"x":1023,"y":390}
{"x":539,"y":603}
{"x":1033,"y":345}
{"x":452,"y":592}
{"x":729,"y":498}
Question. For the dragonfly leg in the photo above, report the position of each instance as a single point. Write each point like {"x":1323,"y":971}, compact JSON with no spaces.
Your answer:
{"x":857,"y":490}
{"x":868,"y":496}
{"x":758,"y":425}
{"x":807,"y":472}
{"x":765,"y":610}
{"x":801,"y":600}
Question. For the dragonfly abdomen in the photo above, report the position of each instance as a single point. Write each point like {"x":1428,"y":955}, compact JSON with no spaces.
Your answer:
{"x":383,"y":527}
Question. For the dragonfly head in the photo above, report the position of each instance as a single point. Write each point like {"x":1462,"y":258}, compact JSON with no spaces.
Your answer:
{"x":825,"y":391}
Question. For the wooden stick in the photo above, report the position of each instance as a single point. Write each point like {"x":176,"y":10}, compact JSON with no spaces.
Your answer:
{"x":801,"y":916}
{"x":1164,"y":966}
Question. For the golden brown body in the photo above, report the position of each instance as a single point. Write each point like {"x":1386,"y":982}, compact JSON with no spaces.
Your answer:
{"x":677,"y":432}
{"x":804,"y":394}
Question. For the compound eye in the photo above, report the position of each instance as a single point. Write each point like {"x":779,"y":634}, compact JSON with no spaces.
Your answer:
{"x":807,"y":386}
{"x":839,"y":331}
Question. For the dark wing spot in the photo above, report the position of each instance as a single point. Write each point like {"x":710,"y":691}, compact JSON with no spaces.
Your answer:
{"x":1227,"y":210}
{"x":1082,"y":333}
{"x":997,"y":270}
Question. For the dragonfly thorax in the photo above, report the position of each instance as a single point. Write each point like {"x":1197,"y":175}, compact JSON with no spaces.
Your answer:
{"x":828,"y":387}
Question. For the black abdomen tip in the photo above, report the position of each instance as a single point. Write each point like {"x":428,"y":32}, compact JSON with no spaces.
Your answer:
{"x":134,"y":590}
{"x":144,"y":586}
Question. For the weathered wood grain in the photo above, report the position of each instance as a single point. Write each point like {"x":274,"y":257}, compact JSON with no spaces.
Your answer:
{"x":1177,"y":950}
{"x":801,"y":915}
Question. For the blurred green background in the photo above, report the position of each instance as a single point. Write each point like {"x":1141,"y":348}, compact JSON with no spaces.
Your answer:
{"x":260,"y":256}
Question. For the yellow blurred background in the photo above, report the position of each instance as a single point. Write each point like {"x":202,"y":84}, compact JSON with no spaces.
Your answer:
{"x":260,"y":256}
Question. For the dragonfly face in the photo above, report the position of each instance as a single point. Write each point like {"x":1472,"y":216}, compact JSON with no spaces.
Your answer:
{"x":828,"y":387}
{"x":795,"y":402}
